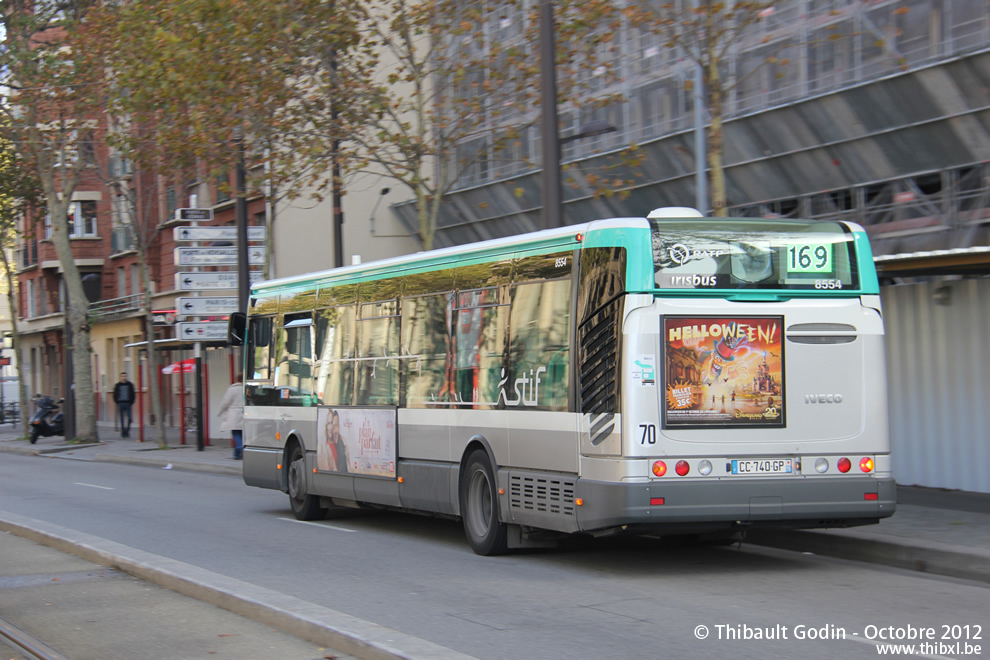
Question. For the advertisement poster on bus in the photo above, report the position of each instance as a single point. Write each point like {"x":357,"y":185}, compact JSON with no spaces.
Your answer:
{"x":356,"y":441}
{"x":723,"y":371}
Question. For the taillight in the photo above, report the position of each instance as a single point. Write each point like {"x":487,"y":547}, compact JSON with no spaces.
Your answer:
{"x":682,"y":468}
{"x":866,"y":464}
{"x":844,"y":464}
{"x":659,"y":468}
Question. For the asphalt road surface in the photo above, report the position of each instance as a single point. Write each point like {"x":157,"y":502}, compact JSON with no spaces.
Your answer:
{"x":606,"y":598}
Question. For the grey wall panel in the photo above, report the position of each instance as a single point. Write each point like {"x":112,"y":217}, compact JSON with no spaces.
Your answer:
{"x":937,"y":358}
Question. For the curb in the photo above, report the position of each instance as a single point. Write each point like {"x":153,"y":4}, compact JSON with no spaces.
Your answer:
{"x":917,"y":555}
{"x":313,"y":623}
{"x":186,"y":466}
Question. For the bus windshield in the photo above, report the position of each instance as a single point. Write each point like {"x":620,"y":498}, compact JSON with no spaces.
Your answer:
{"x":753,"y":254}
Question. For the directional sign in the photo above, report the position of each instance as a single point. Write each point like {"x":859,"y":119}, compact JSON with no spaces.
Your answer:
{"x":211,"y":281}
{"x":191,"y":256}
{"x":202,"y":331}
{"x":216,"y":233}
{"x":206,"y":306}
{"x":193,"y":214}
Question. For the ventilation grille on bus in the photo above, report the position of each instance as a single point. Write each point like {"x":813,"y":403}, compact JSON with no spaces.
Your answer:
{"x":599,"y":363}
{"x":809,"y":333}
{"x":541,"y":494}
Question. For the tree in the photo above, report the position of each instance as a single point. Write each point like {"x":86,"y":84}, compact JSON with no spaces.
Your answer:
{"x":439,"y":89}
{"x":51,"y":108}
{"x":706,"y":31}
{"x":206,"y":83}
{"x":20,"y":192}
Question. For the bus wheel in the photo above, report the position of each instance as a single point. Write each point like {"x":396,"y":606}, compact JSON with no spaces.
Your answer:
{"x":304,"y":506}
{"x":479,"y":507}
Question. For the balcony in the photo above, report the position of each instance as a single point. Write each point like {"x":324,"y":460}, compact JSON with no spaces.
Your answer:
{"x":115,"y":308}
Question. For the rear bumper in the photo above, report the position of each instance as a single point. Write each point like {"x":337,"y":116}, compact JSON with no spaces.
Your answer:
{"x":706,"y":505}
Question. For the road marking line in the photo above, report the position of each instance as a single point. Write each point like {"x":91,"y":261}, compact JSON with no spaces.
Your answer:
{"x":306,"y":522}
{"x":78,"y":483}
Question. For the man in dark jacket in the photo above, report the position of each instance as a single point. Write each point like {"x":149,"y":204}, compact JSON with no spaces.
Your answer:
{"x":123,"y":396}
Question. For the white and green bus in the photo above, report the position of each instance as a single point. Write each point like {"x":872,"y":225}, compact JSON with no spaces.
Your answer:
{"x":668,"y":375}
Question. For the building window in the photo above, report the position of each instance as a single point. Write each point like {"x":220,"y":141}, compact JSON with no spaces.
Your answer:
{"x":82,"y":220}
{"x":30,"y":308}
{"x":170,"y":203}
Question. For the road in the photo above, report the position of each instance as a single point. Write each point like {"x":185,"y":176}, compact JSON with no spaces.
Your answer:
{"x":626,"y":598}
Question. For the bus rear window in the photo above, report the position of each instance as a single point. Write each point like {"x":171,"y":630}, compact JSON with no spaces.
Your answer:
{"x":718,"y":253}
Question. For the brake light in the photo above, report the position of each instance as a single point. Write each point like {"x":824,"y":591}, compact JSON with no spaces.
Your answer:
{"x":866,"y":464}
{"x":682,"y":468}
{"x":659,"y":468}
{"x":844,"y":464}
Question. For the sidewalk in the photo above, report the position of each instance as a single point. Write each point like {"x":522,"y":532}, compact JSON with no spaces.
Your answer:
{"x":934,"y":531}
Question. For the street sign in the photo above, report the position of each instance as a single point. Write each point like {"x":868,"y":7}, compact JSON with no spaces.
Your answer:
{"x":216,"y":233}
{"x":212,"y":281}
{"x":193,"y":214}
{"x":206,"y":306}
{"x":193,"y":256}
{"x":202,"y":331}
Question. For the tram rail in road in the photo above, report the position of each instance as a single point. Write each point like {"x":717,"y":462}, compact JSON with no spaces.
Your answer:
{"x":22,"y":642}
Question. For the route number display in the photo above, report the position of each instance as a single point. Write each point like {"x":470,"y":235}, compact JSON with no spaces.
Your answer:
{"x":809,"y":258}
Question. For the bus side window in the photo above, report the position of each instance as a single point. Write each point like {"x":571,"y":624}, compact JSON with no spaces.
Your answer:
{"x":259,"y":346}
{"x":425,"y":349}
{"x":538,"y":347}
{"x":335,"y":353}
{"x":294,"y":370}
{"x":378,"y":364}
{"x":480,"y":325}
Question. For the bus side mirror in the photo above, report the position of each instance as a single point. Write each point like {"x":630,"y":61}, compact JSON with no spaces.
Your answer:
{"x":237,"y":329}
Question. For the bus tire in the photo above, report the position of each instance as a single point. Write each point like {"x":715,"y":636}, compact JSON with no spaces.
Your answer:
{"x":304,"y":505}
{"x":487,"y":534}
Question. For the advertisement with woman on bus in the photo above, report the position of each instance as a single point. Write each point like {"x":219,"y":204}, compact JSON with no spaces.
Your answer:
{"x":356,"y":441}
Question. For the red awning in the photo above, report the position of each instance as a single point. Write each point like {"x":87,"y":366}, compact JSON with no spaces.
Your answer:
{"x":186,"y":366}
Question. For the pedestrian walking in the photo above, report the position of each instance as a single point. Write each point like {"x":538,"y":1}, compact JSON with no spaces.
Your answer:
{"x":232,"y":413}
{"x":123,"y":396}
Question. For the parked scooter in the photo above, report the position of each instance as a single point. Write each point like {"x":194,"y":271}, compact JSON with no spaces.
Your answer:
{"x":48,"y":419}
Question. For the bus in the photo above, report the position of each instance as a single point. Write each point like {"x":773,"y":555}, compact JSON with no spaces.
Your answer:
{"x":671,"y":375}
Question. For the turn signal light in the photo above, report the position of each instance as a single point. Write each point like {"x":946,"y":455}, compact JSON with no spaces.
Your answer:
{"x":682,"y":468}
{"x":844,"y":464}
{"x":866,"y":464}
{"x":659,"y":468}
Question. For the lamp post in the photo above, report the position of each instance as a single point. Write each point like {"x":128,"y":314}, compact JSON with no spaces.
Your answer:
{"x":552,"y":189}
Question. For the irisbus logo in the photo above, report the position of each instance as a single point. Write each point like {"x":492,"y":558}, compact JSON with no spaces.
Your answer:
{"x":823,"y":398}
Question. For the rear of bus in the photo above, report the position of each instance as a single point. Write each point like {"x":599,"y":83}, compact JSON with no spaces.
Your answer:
{"x":751,"y":383}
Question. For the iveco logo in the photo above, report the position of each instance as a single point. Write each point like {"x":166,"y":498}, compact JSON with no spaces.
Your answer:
{"x":823,"y":398}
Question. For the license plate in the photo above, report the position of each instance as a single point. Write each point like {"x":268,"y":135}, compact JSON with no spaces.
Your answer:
{"x":762,"y":466}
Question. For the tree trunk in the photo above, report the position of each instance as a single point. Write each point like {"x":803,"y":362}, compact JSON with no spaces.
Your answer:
{"x":426,"y":227}
{"x":77,"y":315}
{"x":715,"y":141}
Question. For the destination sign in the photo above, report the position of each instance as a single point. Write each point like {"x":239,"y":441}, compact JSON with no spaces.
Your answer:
{"x":204,"y":306}
{"x":204,"y":256}
{"x":254,"y":234}
{"x":211,"y":281}
{"x":202,"y":331}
